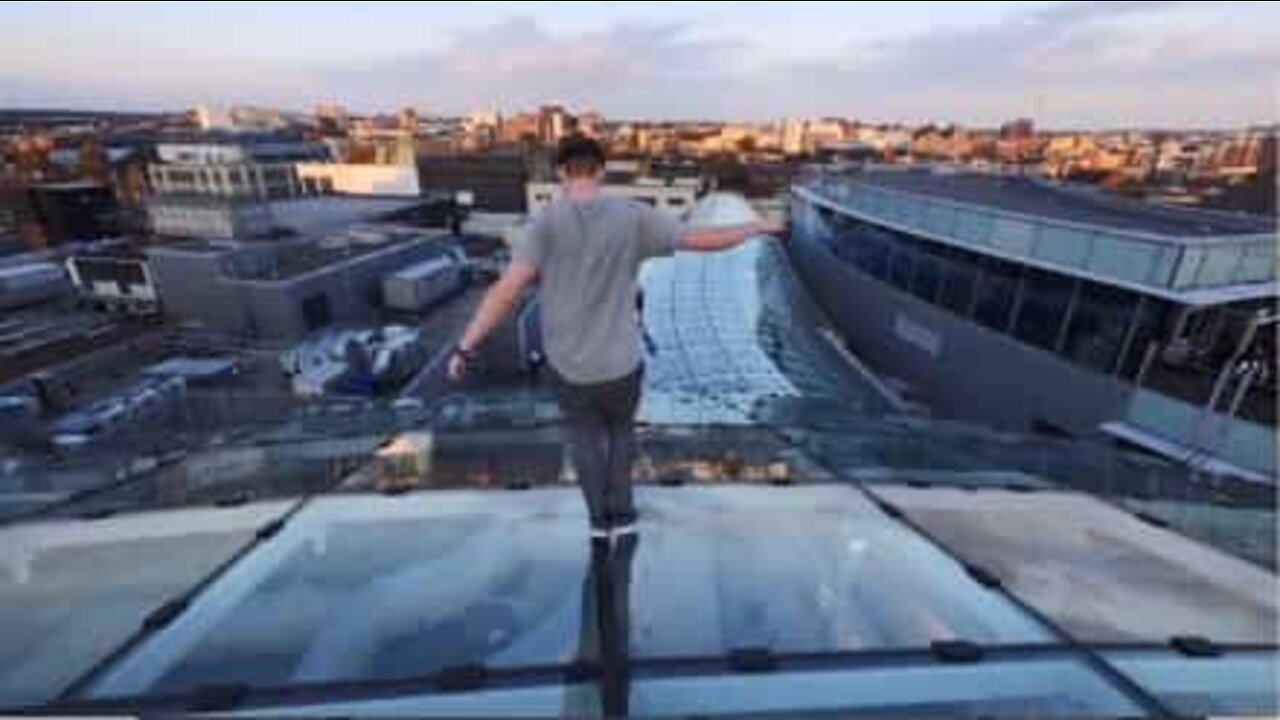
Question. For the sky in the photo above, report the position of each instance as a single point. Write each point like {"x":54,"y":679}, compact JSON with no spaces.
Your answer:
{"x":1067,"y":64}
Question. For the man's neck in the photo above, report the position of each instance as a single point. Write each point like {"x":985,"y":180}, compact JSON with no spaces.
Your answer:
{"x":582,"y":190}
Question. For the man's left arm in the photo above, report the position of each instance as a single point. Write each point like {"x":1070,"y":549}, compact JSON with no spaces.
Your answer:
{"x":662,"y":235}
{"x":724,"y":238}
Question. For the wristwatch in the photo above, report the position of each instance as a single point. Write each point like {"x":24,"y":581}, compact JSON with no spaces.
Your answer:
{"x":465,"y":354}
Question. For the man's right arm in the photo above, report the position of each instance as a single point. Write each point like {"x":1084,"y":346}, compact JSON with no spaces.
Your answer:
{"x":527,"y":257}
{"x":497,"y":304}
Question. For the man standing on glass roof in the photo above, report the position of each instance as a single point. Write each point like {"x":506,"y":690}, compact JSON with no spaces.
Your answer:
{"x":583,"y":252}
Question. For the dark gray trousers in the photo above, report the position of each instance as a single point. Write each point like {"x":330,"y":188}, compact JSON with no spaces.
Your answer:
{"x":600,"y":421}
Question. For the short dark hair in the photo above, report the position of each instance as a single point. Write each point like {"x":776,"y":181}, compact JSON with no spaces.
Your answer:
{"x":580,"y":155}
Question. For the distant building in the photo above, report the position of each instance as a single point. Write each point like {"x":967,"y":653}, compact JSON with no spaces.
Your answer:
{"x":674,"y":198}
{"x":73,"y":211}
{"x":520,"y":128}
{"x":247,"y":219}
{"x":793,"y":136}
{"x":256,"y":166}
{"x":671,"y":188}
{"x":493,"y":182}
{"x":1019,"y":129}
{"x":407,"y":119}
{"x":371,"y":143}
{"x":333,"y":117}
{"x":350,"y":179}
{"x":287,"y":290}
{"x":591,"y":124}
{"x":209,"y":217}
{"x":482,"y":129}
{"x":210,"y":118}
{"x":554,"y":123}
{"x":16,"y":221}
{"x":216,"y":185}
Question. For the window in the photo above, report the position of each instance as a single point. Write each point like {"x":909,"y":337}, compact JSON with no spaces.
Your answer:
{"x":1099,"y":325}
{"x":180,"y":177}
{"x":648,"y":201}
{"x":928,"y":278}
{"x":1045,"y":299}
{"x":997,"y":292}
{"x":871,"y":255}
{"x":959,"y":280}
{"x":676,"y":202}
{"x":1150,"y":327}
{"x":902,"y":266}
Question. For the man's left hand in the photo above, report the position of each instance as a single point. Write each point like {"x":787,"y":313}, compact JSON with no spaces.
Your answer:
{"x":457,"y":366}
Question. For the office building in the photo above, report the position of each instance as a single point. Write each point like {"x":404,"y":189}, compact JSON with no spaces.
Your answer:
{"x":1052,"y":308}
{"x":353,"y":179}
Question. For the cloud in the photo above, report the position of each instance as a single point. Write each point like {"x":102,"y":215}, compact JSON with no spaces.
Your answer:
{"x":1107,"y":63}
{"x":629,"y":69}
{"x":1072,"y":63}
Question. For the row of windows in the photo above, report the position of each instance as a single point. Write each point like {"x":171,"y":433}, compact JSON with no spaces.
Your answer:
{"x":671,"y":202}
{"x":272,"y":182}
{"x":1098,"y":327}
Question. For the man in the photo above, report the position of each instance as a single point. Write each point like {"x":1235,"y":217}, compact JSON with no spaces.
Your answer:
{"x":585,"y":252}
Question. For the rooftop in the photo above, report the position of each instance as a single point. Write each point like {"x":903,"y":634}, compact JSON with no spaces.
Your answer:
{"x":311,"y":215}
{"x":293,"y":258}
{"x":841,"y":601}
{"x":231,"y":137}
{"x":1040,"y":199}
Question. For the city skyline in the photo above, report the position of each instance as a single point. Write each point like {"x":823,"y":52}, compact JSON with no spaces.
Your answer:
{"x":1069,"y":65}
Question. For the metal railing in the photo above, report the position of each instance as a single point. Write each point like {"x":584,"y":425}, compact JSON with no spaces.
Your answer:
{"x":1129,"y":258}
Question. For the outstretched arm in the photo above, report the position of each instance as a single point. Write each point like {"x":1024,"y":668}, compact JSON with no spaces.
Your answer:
{"x":494,"y":308}
{"x":725,"y":238}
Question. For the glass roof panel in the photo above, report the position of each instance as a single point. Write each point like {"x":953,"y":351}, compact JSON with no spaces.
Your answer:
{"x":1098,"y":572}
{"x":72,"y":591}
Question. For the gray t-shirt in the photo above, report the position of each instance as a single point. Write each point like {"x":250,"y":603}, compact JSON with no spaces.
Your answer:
{"x":588,"y":255}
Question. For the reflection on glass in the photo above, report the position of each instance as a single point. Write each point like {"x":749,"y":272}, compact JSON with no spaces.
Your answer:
{"x":997,"y":293}
{"x":544,"y":701}
{"x":1098,"y":572}
{"x":1237,"y":685}
{"x":1045,"y":298}
{"x":1029,"y":688}
{"x":1098,"y":326}
{"x":370,"y":588}
{"x":813,"y":569}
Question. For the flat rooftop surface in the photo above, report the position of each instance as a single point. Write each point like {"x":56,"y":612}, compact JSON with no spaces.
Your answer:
{"x":1028,"y":197}
{"x":368,"y":588}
